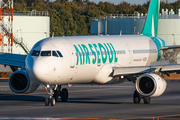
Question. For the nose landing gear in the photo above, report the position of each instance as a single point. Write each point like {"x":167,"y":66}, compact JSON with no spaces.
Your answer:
{"x":54,"y":93}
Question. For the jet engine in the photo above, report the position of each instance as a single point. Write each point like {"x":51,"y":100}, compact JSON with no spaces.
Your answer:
{"x":19,"y":82}
{"x":150,"y":85}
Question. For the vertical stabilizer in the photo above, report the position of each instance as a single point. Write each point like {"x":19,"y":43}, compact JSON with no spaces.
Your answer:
{"x":151,"y":24}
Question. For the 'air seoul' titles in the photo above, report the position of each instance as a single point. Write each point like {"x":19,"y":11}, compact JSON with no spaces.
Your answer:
{"x":102,"y":53}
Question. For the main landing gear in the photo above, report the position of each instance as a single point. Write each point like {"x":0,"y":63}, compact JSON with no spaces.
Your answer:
{"x":137,"y":98}
{"x":54,"y":93}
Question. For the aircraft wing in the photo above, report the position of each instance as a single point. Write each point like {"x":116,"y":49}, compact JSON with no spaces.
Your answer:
{"x":135,"y":71}
{"x":123,"y":71}
{"x":16,"y":60}
{"x":170,"y":47}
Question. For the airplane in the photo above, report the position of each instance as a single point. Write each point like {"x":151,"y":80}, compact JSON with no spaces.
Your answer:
{"x":57,"y":61}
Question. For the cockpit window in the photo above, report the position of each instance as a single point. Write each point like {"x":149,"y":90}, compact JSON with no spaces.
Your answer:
{"x":60,"y":54}
{"x":54,"y":54}
{"x":45,"y":53}
{"x":35,"y":53}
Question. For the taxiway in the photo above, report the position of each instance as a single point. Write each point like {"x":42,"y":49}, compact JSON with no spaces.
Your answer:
{"x":107,"y":102}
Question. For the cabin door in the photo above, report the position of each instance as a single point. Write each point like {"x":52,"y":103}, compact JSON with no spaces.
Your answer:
{"x":71,"y":54}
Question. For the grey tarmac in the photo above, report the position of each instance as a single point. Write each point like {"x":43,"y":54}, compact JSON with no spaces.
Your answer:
{"x":106,"y":102}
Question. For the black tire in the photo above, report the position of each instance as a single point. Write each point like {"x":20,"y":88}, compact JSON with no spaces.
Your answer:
{"x":53,"y":101}
{"x":47,"y":102}
{"x":55,"y":95}
{"x":64,"y":95}
{"x":147,"y":100}
{"x":136,"y":97}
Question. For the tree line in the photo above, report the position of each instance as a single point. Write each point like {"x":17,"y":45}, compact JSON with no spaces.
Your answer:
{"x":72,"y":18}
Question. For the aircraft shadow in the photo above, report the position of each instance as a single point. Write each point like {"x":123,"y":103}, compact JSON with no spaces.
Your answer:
{"x":98,"y":100}
{"x":94,"y":100}
{"x":10,"y":97}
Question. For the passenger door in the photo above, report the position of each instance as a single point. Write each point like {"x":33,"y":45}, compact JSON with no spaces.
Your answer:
{"x":71,"y":54}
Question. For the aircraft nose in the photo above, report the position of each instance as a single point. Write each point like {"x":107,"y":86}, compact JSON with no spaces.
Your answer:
{"x":39,"y":70}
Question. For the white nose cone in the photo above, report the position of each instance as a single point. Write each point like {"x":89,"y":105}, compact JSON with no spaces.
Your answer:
{"x":39,"y":70}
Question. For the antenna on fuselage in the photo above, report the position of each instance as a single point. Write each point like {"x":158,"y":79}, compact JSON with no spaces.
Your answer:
{"x":52,"y":35}
{"x":120,"y":32}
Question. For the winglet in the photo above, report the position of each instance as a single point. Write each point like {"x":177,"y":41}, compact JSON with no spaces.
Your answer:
{"x":151,"y":24}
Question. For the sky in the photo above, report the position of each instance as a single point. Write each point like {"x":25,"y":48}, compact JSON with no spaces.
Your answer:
{"x":129,"y":1}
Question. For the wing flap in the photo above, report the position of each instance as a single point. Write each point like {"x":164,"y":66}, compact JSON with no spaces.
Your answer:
{"x":170,"y":68}
{"x":129,"y":71}
{"x":119,"y":71}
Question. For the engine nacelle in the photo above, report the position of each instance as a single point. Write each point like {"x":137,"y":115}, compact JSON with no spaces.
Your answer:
{"x":150,"y":85}
{"x":19,"y":82}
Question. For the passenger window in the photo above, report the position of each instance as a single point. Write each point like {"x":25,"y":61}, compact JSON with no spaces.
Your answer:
{"x":35,"y":53}
{"x":45,"y":53}
{"x":54,"y":54}
{"x":60,"y":54}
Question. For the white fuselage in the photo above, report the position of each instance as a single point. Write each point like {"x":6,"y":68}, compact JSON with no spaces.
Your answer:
{"x":88,"y":59}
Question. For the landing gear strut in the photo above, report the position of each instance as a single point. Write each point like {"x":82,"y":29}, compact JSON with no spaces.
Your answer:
{"x":54,"y":93}
{"x":137,"y":98}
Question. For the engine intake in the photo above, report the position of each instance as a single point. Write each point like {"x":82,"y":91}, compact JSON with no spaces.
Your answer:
{"x":150,"y":85}
{"x":19,"y":82}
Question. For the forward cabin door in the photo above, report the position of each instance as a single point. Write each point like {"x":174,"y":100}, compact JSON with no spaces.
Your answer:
{"x":71,"y":54}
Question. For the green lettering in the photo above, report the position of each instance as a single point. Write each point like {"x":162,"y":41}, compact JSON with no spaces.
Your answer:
{"x":104,"y":57}
{"x":115,"y":58}
{"x":110,"y":52}
{"x":82,"y":54}
{"x":78,"y":54}
{"x":98,"y":53}
{"x":87,"y":53}
{"x":94,"y":60}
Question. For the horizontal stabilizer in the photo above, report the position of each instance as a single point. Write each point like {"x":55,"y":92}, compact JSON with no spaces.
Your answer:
{"x":170,"y":47}
{"x":12,"y":59}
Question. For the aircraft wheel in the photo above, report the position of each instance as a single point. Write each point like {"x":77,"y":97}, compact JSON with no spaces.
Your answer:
{"x":147,"y":100}
{"x":53,"y":101}
{"x":64,"y":95}
{"x":47,"y":102}
{"x":136,"y":97}
{"x":55,"y":95}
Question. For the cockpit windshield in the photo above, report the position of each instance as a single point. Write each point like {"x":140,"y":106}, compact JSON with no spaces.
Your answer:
{"x":60,"y":54}
{"x":35,"y":53}
{"x":54,"y":54}
{"x":45,"y":53}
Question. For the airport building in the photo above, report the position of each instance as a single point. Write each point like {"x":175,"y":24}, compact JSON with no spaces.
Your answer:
{"x":28,"y":28}
{"x":120,"y":24}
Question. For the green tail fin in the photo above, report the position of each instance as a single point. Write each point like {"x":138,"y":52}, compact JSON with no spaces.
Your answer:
{"x":151,"y":24}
